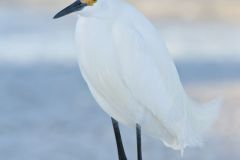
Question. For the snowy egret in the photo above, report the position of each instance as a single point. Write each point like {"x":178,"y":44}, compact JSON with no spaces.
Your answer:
{"x":131,"y":75}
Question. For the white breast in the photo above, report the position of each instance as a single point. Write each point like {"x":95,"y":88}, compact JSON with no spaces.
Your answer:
{"x":99,"y":66}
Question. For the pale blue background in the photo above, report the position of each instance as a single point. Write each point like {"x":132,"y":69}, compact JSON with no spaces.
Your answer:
{"x":47,"y":112}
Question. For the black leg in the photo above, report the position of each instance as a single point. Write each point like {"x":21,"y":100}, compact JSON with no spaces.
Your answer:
{"x":121,"y":152}
{"x":139,"y":143}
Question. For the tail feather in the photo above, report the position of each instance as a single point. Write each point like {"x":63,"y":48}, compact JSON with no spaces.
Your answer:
{"x":196,"y":119}
{"x":199,"y":118}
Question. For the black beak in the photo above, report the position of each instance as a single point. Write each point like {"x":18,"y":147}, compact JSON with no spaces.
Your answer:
{"x":76,"y":6}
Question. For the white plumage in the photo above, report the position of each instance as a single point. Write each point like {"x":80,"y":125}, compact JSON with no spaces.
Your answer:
{"x":133,"y":78}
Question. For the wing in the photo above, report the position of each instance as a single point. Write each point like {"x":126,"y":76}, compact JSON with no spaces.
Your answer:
{"x":146,"y":69}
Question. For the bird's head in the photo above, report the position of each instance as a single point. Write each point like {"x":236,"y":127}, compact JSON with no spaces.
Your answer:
{"x":85,"y":7}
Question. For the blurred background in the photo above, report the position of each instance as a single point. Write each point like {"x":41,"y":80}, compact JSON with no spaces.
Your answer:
{"x":47,"y":112}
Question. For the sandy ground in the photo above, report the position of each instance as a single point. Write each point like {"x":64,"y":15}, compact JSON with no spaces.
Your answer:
{"x":226,"y":10}
{"x":47,"y":112}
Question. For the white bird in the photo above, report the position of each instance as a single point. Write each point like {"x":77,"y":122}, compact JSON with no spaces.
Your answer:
{"x":131,"y":75}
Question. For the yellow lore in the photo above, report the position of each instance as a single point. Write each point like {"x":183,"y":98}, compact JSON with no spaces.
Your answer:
{"x":89,"y":2}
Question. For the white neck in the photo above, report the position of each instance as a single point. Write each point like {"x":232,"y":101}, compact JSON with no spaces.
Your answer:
{"x":103,"y":9}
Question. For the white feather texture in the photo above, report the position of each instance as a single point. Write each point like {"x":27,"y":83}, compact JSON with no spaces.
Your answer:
{"x":133,"y":78}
